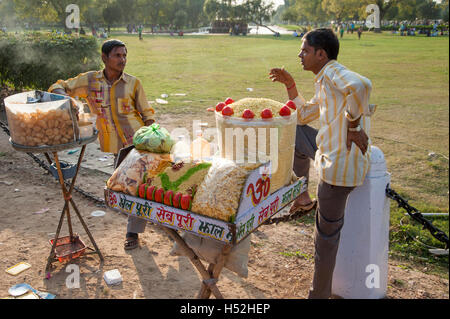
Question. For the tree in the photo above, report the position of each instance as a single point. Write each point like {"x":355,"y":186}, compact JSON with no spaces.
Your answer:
{"x":258,"y":11}
{"x":194,"y":9}
{"x":149,"y":11}
{"x":444,"y":9}
{"x":310,"y":10}
{"x":129,"y":10}
{"x":210,"y":8}
{"x":112,"y":14}
{"x":427,"y":9}
{"x":7,"y":13}
{"x":290,"y":15}
{"x":51,"y":11}
{"x":180,"y":19}
{"x":341,"y":10}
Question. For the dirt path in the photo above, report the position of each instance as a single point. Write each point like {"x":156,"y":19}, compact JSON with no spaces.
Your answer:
{"x":150,"y":271}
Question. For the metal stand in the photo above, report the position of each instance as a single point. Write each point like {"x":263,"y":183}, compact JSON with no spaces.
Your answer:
{"x":67,"y":193}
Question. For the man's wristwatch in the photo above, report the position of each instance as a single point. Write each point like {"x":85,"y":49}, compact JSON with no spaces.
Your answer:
{"x":355,"y":129}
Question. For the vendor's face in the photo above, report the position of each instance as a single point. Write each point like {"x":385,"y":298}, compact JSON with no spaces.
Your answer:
{"x":116,"y":60}
{"x":309,"y":56}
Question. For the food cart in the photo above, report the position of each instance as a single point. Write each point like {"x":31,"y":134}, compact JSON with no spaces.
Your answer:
{"x":252,"y":213}
{"x":257,"y":197}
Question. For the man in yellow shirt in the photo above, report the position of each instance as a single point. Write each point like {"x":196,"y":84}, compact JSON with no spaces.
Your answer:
{"x":121,"y":106}
{"x":341,"y":147}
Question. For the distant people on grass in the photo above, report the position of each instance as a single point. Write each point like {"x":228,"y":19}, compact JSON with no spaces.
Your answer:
{"x":359,"y":32}
{"x":140,"y":28}
{"x":82,"y":31}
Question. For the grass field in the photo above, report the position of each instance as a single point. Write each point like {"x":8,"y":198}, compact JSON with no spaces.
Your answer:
{"x":410,"y":86}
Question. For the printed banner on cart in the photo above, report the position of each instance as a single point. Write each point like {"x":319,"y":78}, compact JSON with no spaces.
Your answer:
{"x":253,"y":217}
{"x":169,"y":216}
{"x":202,"y":225}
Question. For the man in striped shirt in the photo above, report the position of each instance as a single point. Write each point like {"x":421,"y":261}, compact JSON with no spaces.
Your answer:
{"x":121,"y":106}
{"x":340,"y":148}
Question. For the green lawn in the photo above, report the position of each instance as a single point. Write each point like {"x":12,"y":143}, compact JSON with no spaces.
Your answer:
{"x":410,"y":86}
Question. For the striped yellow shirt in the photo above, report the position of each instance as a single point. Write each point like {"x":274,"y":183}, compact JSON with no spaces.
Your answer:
{"x":122,"y":108}
{"x":340,"y":94}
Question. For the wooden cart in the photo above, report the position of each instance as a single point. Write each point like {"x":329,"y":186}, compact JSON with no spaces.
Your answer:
{"x":252,"y":213}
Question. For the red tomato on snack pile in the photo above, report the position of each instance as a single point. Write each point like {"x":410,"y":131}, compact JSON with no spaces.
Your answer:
{"x":177,"y":200}
{"x":168,"y":197}
{"x":248,"y":114}
{"x":266,"y":114}
{"x":285,"y":111}
{"x":229,"y":101}
{"x":227,"y":111}
{"x":291,"y":104}
{"x":142,"y":190}
{"x":186,"y":201}
{"x":220,"y":106}
{"x":151,"y":193}
{"x":159,"y":195}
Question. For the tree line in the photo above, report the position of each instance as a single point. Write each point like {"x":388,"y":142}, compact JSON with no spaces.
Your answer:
{"x":320,"y":11}
{"x":176,"y":13}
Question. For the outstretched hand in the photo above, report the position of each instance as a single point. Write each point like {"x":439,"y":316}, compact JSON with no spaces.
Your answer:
{"x":281,"y":75}
{"x":359,"y":138}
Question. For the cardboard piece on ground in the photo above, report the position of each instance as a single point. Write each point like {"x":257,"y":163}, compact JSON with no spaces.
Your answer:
{"x":17,"y":269}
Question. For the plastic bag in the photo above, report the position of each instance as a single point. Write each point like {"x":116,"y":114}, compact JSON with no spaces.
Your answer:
{"x":210,"y":249}
{"x":38,"y":118}
{"x":136,"y":165}
{"x":153,"y":138}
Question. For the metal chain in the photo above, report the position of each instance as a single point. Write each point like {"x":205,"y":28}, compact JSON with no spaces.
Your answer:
{"x":288,"y":217}
{"x":417,"y":216}
{"x":412,"y":211}
{"x":99,"y":201}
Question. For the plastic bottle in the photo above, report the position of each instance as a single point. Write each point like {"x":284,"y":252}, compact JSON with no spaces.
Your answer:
{"x":200,"y":148}
{"x":181,"y":150}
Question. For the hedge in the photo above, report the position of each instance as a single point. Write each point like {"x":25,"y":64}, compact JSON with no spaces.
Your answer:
{"x":37,"y":60}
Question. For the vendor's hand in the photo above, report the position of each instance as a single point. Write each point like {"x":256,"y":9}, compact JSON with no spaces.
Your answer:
{"x":283,"y":76}
{"x":359,"y":138}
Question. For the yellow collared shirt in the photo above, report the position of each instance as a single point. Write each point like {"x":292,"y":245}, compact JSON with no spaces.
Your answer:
{"x":121,"y":108}
{"x":340,"y":94}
